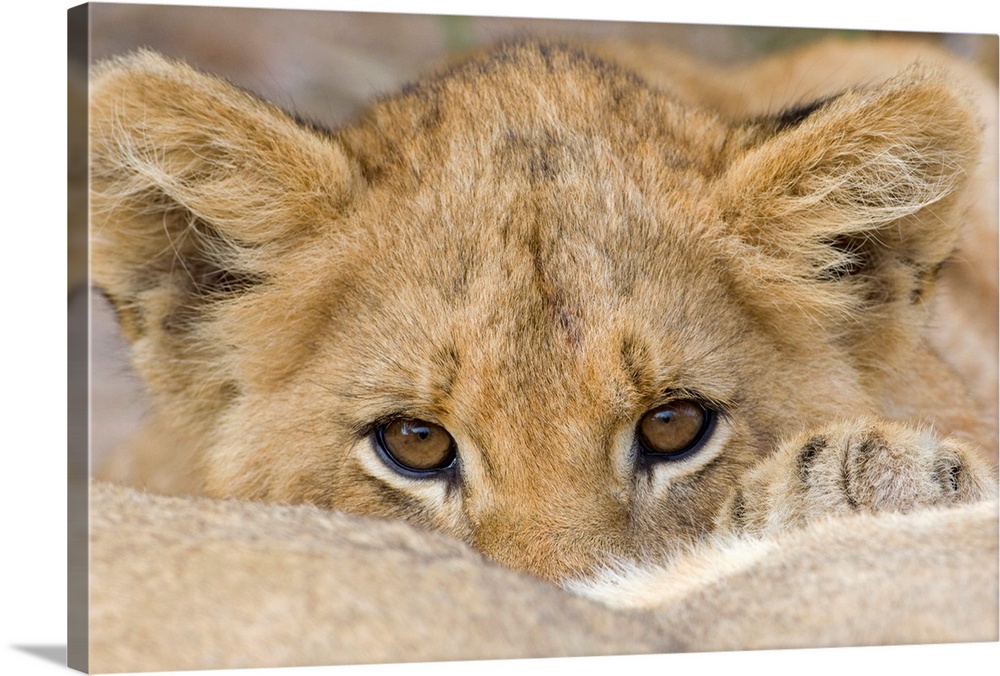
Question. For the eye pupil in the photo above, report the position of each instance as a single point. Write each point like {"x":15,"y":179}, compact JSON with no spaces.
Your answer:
{"x":416,"y":445}
{"x":674,"y":430}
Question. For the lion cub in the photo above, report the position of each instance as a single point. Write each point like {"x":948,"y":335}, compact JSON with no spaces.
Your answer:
{"x":540,"y":305}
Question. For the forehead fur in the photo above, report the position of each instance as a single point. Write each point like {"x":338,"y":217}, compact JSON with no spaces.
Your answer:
{"x":574,"y":179}
{"x":489,"y":105}
{"x":559,"y":210}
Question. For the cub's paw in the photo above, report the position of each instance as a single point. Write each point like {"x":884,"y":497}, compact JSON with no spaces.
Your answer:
{"x":871,"y":465}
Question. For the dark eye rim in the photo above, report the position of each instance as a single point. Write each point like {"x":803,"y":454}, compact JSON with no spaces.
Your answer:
{"x":387,"y":457}
{"x":705,"y":432}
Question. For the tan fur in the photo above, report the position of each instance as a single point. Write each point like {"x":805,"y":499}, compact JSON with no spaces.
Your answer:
{"x":532,"y":249}
{"x":857,"y":580}
{"x":202,"y":584}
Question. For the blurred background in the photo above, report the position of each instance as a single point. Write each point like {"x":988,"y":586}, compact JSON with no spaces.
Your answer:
{"x":325,"y":65}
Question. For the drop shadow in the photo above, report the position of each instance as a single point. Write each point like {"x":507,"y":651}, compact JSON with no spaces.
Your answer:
{"x":51,"y":653}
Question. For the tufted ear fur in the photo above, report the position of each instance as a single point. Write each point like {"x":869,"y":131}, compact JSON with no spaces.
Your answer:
{"x":197,"y":189}
{"x":201,"y":194}
{"x":856,"y":197}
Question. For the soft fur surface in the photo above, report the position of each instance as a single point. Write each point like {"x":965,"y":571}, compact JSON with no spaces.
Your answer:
{"x":231,"y":584}
{"x":528,"y":254}
{"x":180,"y":583}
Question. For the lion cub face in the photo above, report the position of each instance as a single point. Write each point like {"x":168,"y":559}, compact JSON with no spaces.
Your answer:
{"x":529,"y":301}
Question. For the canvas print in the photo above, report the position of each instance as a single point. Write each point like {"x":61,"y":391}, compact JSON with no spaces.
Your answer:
{"x":421,"y":338}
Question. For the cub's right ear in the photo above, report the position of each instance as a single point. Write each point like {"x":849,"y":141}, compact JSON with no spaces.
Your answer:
{"x":197,"y":188}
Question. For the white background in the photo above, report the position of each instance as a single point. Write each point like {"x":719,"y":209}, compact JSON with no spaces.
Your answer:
{"x":33,"y":162}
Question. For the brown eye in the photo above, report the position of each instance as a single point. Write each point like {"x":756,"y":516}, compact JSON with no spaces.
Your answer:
{"x":675,"y":430}
{"x":416,"y":445}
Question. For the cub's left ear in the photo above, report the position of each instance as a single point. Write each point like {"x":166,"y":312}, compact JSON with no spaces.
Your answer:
{"x":202,"y":198}
{"x":197,"y":187}
{"x":845,"y":210}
